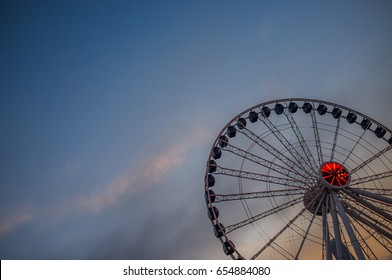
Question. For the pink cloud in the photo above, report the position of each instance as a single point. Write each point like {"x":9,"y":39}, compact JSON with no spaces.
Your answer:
{"x":13,"y":219}
{"x":132,"y":181}
{"x":145,"y":176}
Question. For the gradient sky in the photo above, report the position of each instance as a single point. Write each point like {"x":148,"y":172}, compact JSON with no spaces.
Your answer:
{"x":108,"y":110}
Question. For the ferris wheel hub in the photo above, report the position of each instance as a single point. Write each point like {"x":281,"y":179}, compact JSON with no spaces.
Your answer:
{"x":334,"y":175}
{"x":312,"y":200}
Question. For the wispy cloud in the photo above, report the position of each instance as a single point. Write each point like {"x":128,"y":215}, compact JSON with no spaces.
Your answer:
{"x":132,"y":181}
{"x":13,"y":219}
{"x":143,"y":177}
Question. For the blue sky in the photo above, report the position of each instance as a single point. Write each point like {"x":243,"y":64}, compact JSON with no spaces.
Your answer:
{"x":108,"y":110}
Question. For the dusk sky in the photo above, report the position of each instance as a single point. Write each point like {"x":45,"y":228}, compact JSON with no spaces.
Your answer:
{"x":108,"y":110}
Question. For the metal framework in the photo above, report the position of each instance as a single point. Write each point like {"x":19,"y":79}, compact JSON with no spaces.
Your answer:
{"x":301,"y":179}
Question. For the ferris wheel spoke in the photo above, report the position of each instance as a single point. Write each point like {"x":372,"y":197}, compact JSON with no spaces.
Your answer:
{"x":366,"y":249}
{"x":300,"y":231}
{"x":272,"y":240}
{"x":372,"y":158}
{"x":384,"y":192}
{"x":299,"y":214}
{"x":317,"y":138}
{"x":371,"y":195}
{"x":259,"y":177}
{"x":380,"y":204}
{"x":301,"y":140}
{"x":335,"y":139}
{"x":363,"y":219}
{"x":370,"y":206}
{"x":288,"y":145}
{"x":379,"y":224}
{"x":261,"y":194}
{"x":367,"y":213}
{"x":276,"y":153}
{"x":354,"y":147}
{"x":265,"y":163}
{"x":308,"y":229}
{"x":263,"y":215}
{"x":372,"y":216}
{"x":282,"y":251}
{"x":375,"y":235}
{"x":371,"y":178}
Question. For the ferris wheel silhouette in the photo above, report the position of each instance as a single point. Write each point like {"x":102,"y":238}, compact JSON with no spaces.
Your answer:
{"x":301,"y":179}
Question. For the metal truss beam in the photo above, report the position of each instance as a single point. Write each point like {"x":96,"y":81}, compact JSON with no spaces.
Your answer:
{"x":261,"y":194}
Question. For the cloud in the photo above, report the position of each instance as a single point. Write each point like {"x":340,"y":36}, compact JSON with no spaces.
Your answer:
{"x":132,"y":181}
{"x":190,"y":237}
{"x":139,"y":177}
{"x":143,"y":177}
{"x":13,"y":219}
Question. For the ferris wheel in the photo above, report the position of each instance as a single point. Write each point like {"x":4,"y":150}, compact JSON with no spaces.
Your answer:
{"x":301,"y":179}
